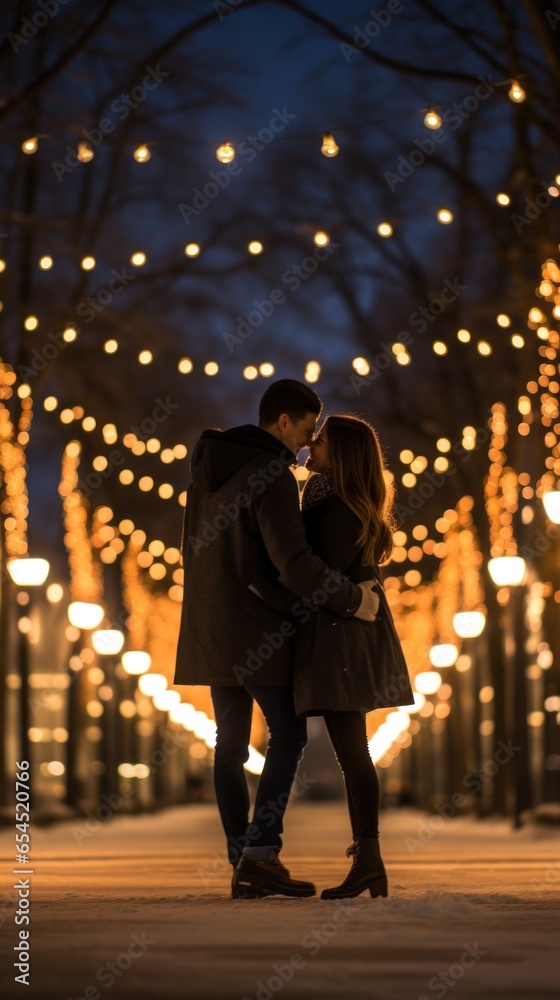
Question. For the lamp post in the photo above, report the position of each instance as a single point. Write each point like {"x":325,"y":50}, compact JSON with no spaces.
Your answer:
{"x":510,"y":571}
{"x":469,"y":626}
{"x":135,"y":663}
{"x":108,"y":643}
{"x":26,"y":572}
{"x":85,"y":616}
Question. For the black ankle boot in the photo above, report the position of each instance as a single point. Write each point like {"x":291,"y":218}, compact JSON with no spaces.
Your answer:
{"x":256,"y":879}
{"x":367,"y":871}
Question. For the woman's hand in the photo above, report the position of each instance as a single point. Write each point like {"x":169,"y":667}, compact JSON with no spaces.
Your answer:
{"x":370,"y":602}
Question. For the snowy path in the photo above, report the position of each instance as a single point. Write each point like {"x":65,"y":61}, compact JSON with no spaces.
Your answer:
{"x":473,"y":911}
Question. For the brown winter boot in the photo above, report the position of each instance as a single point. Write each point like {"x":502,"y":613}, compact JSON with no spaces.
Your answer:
{"x":367,"y":871}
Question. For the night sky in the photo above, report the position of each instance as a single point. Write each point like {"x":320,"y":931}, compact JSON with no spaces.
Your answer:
{"x":224,"y":83}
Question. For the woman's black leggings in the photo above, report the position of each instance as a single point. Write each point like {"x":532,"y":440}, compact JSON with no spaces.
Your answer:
{"x":347,"y":731}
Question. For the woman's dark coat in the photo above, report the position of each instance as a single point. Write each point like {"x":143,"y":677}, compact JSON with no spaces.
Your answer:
{"x":345,"y":663}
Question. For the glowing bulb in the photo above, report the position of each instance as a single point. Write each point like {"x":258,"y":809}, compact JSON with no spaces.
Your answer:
{"x":385,"y":229}
{"x":30,"y":145}
{"x":516,"y":92}
{"x":142,"y":154}
{"x":250,"y":372}
{"x":432,"y":119}
{"x":266,"y":369}
{"x":503,"y":199}
{"x":211,"y":368}
{"x":85,"y":152}
{"x":55,"y":593}
{"x":445,"y":216}
{"x":110,"y":346}
{"x":185,"y":366}
{"x":31,"y":322}
{"x":138,"y":259}
{"x":312,"y":371}
{"x":46,"y":262}
{"x":225,"y":153}
{"x":361,"y":366}
{"x":329,"y":147}
{"x":321,"y":239}
{"x":145,"y":357}
{"x":88,"y":263}
{"x":255,"y":247}
{"x":192,"y":250}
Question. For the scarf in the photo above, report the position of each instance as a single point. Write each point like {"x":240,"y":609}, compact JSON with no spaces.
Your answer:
{"x":317,"y":488}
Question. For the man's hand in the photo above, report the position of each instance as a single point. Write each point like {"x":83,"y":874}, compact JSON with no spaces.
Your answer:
{"x":370,"y":602}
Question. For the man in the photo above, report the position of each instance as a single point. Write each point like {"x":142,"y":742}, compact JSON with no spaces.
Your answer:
{"x":243,"y":524}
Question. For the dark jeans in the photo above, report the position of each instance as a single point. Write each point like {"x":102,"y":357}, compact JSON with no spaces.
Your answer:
{"x":347,"y":731}
{"x":233,"y":709}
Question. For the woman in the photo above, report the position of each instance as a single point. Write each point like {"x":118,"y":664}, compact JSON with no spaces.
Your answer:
{"x":345,"y":667}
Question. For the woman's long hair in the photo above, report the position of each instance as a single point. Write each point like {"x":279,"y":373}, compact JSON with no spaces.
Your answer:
{"x":358,"y":478}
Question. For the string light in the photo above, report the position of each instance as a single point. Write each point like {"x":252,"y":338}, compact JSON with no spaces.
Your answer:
{"x":225,"y":153}
{"x":255,"y":247}
{"x":516,"y":92}
{"x":503,"y":199}
{"x":13,"y":442}
{"x":432,"y":120}
{"x":192,"y":250}
{"x":46,"y":262}
{"x":30,"y":145}
{"x":85,"y":152}
{"x":321,"y":239}
{"x":361,"y":366}
{"x":142,"y":154}
{"x":312,"y":371}
{"x":385,"y":229}
{"x":88,"y":263}
{"x":329,"y":147}
{"x":445,"y":216}
{"x":85,"y":573}
{"x":138,"y":259}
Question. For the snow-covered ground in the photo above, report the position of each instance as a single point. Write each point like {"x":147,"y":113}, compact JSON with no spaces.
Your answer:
{"x":140,"y":907}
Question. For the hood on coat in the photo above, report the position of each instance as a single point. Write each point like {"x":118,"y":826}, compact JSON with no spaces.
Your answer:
{"x":218,"y":455}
